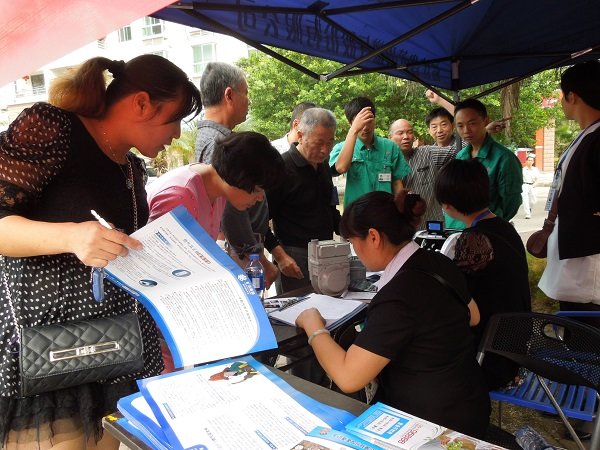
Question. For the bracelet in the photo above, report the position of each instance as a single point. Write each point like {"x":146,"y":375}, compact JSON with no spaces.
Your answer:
{"x":316,"y":333}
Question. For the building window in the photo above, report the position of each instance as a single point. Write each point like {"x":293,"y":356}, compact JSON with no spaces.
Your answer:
{"x":203,"y":54}
{"x":152,"y":27}
{"x":125,"y":34}
{"x":38,"y":84}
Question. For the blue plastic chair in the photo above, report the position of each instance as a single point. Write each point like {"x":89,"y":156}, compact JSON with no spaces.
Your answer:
{"x":563,"y":357}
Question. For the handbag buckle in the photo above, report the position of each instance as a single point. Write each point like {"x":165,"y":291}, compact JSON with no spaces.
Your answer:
{"x":86,"y":350}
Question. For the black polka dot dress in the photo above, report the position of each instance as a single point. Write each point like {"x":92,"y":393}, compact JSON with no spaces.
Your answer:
{"x":52,"y":170}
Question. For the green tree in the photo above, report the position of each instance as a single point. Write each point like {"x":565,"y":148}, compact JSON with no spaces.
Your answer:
{"x":275,"y":88}
{"x":179,"y":153}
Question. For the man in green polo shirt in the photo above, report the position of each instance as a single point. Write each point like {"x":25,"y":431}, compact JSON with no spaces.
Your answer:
{"x":502,"y":165}
{"x":372,"y":163}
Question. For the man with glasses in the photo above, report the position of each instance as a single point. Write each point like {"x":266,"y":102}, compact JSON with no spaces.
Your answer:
{"x":304,"y":207}
{"x":372,"y":163}
{"x":502,"y":165}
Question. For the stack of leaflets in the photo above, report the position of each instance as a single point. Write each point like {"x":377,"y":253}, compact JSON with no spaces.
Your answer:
{"x":238,"y":403}
{"x":389,"y":428}
{"x":384,"y":428}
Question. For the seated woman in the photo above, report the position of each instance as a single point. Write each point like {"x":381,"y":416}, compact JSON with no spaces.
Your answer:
{"x":416,"y":338}
{"x":489,"y":251}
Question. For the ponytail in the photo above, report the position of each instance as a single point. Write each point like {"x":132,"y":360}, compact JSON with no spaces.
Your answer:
{"x":83,"y":91}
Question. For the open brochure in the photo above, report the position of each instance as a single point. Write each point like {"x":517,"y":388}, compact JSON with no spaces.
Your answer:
{"x":203,"y":303}
{"x":237,"y":403}
{"x":334,"y":310}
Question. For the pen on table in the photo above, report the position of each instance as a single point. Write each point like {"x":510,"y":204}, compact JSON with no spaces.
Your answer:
{"x":98,"y":272}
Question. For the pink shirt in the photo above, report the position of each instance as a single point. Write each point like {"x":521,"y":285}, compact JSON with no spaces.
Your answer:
{"x":183,"y":186}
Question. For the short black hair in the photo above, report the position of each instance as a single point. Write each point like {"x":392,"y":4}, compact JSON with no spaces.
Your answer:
{"x":463,"y":184}
{"x":387,"y":214}
{"x":354,"y":106}
{"x":438,"y":112}
{"x":472,"y":103}
{"x":584,"y":80}
{"x":246,"y":160}
{"x":299,"y":110}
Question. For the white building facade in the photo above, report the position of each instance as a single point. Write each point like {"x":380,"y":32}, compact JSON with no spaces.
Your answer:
{"x":189,"y":48}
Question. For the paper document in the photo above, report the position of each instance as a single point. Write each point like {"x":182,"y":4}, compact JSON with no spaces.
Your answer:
{"x":333,"y":310}
{"x":233,"y":404}
{"x":203,"y":303}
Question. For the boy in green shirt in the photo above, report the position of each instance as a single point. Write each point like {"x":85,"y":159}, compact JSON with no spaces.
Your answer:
{"x":502,"y":165}
{"x":372,"y":163}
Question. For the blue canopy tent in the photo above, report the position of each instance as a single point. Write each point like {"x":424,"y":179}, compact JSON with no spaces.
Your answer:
{"x":448,"y":44}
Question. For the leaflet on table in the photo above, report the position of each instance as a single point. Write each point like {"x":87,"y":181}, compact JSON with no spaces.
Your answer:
{"x":237,"y":403}
{"x":333,"y":310}
{"x":394,"y":429}
{"x":203,"y":303}
{"x":138,"y":413}
{"x":322,"y":438}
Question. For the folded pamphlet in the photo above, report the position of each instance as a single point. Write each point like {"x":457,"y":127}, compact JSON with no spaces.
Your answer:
{"x":203,"y":303}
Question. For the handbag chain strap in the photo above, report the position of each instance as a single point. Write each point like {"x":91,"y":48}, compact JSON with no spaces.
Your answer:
{"x":16,"y":337}
{"x":17,"y":333}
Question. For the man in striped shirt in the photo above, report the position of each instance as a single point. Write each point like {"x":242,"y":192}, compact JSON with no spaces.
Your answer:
{"x":425,"y":161}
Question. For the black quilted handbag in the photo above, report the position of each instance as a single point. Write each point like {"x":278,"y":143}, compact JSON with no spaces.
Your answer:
{"x":61,"y":355}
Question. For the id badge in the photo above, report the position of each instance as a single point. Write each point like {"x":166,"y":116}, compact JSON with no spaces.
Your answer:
{"x":384,"y":177}
{"x":554,"y":188}
{"x":550,"y":199}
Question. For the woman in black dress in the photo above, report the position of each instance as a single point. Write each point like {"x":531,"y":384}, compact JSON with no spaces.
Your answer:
{"x":416,"y":339}
{"x":58,"y":161}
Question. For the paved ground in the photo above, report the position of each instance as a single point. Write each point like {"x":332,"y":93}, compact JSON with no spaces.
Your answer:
{"x":527,"y":226}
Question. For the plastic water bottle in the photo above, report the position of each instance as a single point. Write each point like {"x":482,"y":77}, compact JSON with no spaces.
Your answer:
{"x":256,"y":273}
{"x":529,"y":439}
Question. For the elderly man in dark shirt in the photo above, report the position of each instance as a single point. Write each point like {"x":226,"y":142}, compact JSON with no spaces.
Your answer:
{"x":304,"y":208}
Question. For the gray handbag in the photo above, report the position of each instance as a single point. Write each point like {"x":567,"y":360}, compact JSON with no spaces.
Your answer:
{"x":61,"y":355}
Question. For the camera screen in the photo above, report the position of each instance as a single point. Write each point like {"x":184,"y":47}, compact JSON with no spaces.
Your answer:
{"x":434,"y":226}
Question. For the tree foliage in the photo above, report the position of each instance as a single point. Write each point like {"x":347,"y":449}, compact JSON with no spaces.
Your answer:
{"x":275,"y":88}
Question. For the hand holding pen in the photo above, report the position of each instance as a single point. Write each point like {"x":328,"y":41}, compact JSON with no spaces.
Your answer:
{"x":109,"y":247}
